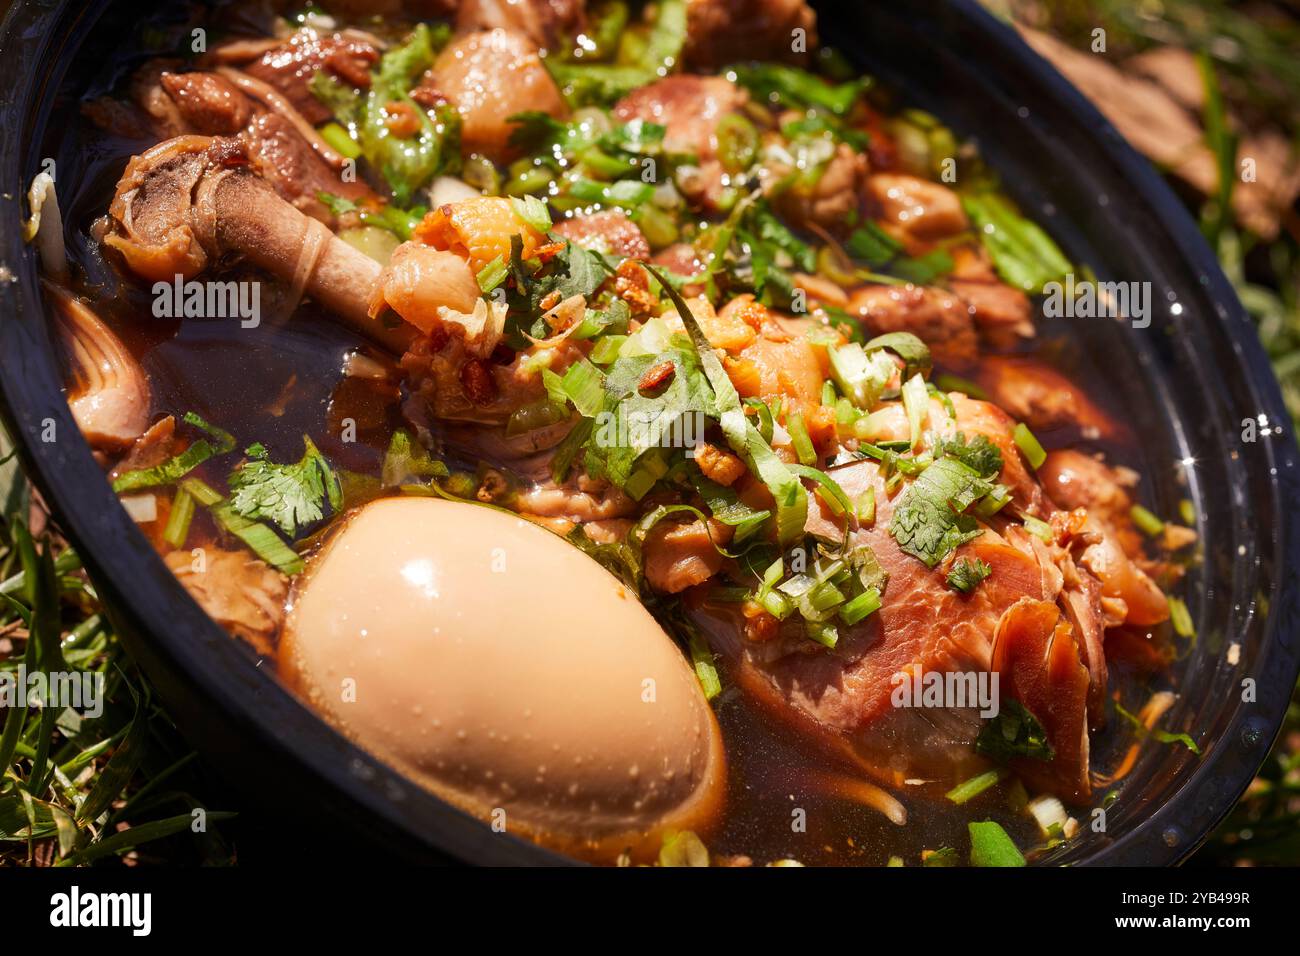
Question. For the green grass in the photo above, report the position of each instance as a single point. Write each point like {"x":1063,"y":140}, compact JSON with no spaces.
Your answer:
{"x":109,"y":782}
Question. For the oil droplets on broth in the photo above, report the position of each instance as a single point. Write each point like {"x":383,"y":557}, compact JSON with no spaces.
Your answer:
{"x":444,"y":638}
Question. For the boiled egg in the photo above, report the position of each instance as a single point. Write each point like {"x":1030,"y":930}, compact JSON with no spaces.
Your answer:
{"x":507,"y":672}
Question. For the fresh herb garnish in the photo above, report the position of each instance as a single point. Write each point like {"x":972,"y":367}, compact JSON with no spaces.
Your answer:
{"x":406,"y":163}
{"x":791,"y":498}
{"x":966,"y":574}
{"x":290,"y":495}
{"x":176,"y":468}
{"x":1023,"y":254}
{"x":929,"y":520}
{"x":979,"y":454}
{"x":258,"y":537}
{"x":798,"y":89}
{"x":1163,"y":736}
{"x":1014,"y":732}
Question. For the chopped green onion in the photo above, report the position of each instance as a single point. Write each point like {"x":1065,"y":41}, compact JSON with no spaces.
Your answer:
{"x":1145,"y":520}
{"x":834,"y":496}
{"x":337,"y":138}
{"x":737,"y":143}
{"x":766,"y":426}
{"x":866,"y":506}
{"x":990,"y":846}
{"x":803,"y":446}
{"x":1187,"y":511}
{"x":169,"y":471}
{"x":178,"y":522}
{"x":493,"y":274}
{"x":583,"y":384}
{"x":823,"y":633}
{"x":993,"y":502}
{"x":944,"y":856}
{"x":607,"y":348}
{"x":787,"y":491}
{"x":776,"y":604}
{"x":658,"y":227}
{"x":916,"y":400}
{"x":1023,"y":254}
{"x":914,"y":353}
{"x":626,"y":193}
{"x":174,"y":469}
{"x":533,"y":212}
{"x":953,"y":383}
{"x":973,"y":787}
{"x":1029,"y":446}
{"x":824,"y":597}
{"x":1039,"y":528}
{"x":1181,"y":618}
{"x":539,"y":414}
{"x":773,"y":573}
{"x":860,"y":377}
{"x":705,"y":670}
{"x":260,"y":539}
{"x":860,"y":607}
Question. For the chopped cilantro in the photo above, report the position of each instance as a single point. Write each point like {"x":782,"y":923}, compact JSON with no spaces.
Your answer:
{"x":289,"y":496}
{"x":926,"y":524}
{"x":979,"y":454}
{"x":966,"y":575}
{"x":1014,"y":732}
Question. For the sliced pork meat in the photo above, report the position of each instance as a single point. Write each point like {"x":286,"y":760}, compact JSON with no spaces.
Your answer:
{"x":241,"y":593}
{"x":1042,"y":398}
{"x":844,"y":695}
{"x":295,"y":170}
{"x":544,"y":22}
{"x":1074,"y":479}
{"x":610,"y":233}
{"x":682,"y":555}
{"x":833,"y":200}
{"x":1037,"y":657}
{"x":290,"y":66}
{"x":207,"y":103}
{"x":937,"y":317}
{"x":691,"y":107}
{"x":916,"y":210}
{"x":722,"y":32}
{"x":1002,"y":314}
{"x":1112,"y":548}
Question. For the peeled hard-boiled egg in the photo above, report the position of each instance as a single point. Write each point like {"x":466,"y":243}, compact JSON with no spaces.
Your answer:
{"x":507,"y":672}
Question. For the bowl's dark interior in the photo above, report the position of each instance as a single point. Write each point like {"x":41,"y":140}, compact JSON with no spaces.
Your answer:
{"x":1184,"y":385}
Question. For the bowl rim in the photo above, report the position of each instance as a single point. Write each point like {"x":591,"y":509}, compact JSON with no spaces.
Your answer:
{"x":178,"y":639}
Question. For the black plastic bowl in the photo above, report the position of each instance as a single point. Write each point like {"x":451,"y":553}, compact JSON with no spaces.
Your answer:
{"x":1187,"y":383}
